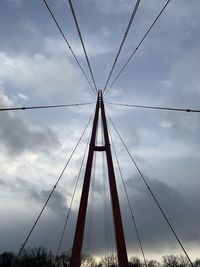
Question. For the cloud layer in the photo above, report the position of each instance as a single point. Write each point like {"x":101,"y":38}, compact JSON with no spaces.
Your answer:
{"x":36,"y":68}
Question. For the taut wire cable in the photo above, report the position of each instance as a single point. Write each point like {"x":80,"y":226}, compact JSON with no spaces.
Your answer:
{"x":53,"y":189}
{"x":152,"y":194}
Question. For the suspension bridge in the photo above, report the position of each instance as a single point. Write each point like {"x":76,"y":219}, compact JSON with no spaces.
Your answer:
{"x":106,"y":148}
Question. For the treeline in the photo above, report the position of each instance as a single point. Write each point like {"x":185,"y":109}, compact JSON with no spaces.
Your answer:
{"x":40,"y":257}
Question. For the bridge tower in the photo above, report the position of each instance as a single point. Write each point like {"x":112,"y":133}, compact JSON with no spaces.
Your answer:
{"x":75,"y":260}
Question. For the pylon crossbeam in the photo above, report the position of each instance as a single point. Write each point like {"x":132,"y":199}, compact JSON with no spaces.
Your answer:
{"x":99,"y":148}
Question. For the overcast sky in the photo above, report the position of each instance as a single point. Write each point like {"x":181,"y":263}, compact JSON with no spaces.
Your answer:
{"x":36,"y":68}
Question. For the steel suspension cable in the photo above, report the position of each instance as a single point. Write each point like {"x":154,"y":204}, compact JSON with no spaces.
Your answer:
{"x":53,"y":189}
{"x":81,"y":39}
{"x":128,"y":200}
{"x":47,"y":106}
{"x":154,"y":107}
{"x":122,"y":43}
{"x":72,"y":199}
{"x":152,"y":194}
{"x":69,"y":46}
{"x":136,"y":49}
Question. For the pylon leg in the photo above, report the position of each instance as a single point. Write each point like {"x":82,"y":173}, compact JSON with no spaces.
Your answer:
{"x":75,"y":259}
{"x":119,"y":232}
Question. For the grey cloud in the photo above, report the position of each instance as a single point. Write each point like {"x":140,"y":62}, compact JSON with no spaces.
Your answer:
{"x":155,"y":234}
{"x":2,"y":183}
{"x":112,"y":7}
{"x":49,"y":227}
{"x":179,"y":208}
{"x":170,"y":54}
{"x":42,"y":77}
{"x":18,"y":3}
{"x":32,"y":192}
{"x":17,"y":136}
{"x":57,"y":203}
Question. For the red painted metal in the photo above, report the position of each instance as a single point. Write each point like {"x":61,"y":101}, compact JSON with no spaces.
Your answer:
{"x":119,"y":232}
{"x":75,"y":260}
